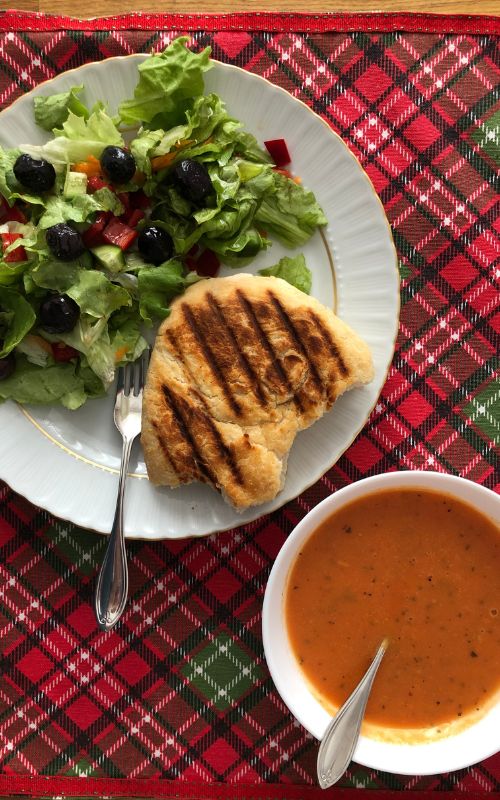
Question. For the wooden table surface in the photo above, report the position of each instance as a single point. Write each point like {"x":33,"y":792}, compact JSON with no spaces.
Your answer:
{"x":95,"y":8}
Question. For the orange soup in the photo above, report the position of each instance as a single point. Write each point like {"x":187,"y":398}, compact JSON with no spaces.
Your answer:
{"x":420,"y":568}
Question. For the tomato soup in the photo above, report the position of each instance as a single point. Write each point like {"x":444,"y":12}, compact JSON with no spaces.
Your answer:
{"x":417,"y":567}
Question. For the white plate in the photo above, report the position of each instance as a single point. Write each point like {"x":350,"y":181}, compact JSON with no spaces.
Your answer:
{"x":391,"y":750}
{"x":67,"y":462}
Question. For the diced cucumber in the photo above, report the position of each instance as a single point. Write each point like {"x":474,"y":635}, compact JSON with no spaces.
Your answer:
{"x":75,"y":184}
{"x":109,"y":256}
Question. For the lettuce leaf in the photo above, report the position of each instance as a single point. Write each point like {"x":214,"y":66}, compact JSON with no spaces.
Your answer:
{"x":207,"y":114}
{"x":17,"y":318}
{"x":127,"y":341}
{"x":91,"y":339}
{"x":92,"y":384}
{"x":57,"y":383}
{"x":49,"y":274}
{"x":8,"y":181}
{"x":226,"y":224}
{"x":11,"y":272}
{"x":98,"y":127}
{"x":54,"y":109}
{"x":248,"y":146}
{"x":79,"y":208}
{"x":35,"y":349}
{"x":96,"y":295}
{"x":101,"y":358}
{"x":199,"y":123}
{"x":290,"y":212}
{"x":293,"y":270}
{"x":141,"y":148}
{"x":77,"y":139}
{"x":167,"y":82}
{"x":158,"y":286}
{"x":240,"y":249}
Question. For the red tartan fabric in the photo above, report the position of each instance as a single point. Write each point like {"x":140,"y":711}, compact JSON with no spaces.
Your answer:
{"x":177,"y":700}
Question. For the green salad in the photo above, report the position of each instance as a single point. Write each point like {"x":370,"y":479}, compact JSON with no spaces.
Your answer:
{"x":102,"y":226}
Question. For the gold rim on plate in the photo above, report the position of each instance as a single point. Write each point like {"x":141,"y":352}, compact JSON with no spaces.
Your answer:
{"x":92,"y":64}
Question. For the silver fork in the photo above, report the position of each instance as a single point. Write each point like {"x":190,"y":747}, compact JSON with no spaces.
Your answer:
{"x":112,"y":584}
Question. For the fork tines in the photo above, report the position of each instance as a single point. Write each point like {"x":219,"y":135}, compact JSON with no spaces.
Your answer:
{"x":133,"y":375}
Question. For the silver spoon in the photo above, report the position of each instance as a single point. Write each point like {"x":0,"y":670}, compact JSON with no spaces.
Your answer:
{"x":341,"y":736}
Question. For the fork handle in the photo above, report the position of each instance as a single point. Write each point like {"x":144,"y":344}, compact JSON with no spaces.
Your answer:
{"x":112,"y":584}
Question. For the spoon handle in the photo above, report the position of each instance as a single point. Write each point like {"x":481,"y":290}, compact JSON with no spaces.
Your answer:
{"x":339,"y":742}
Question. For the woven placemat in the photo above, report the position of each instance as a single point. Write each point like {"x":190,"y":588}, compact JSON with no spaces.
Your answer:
{"x":177,"y":701}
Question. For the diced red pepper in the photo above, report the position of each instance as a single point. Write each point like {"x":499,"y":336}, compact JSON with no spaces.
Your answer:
{"x":132,"y":217}
{"x":95,"y":182}
{"x":278,"y":151}
{"x":116,"y":232}
{"x":206,"y":263}
{"x":8,"y":214}
{"x":63,"y":352}
{"x":16,"y":215}
{"x":18,"y":254}
{"x":139,"y":199}
{"x":93,"y":236}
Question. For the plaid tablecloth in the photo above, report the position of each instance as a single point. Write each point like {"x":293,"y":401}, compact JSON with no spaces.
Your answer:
{"x":177,"y":701}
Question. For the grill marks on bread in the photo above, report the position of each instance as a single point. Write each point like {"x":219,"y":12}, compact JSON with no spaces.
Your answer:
{"x":196,"y":430}
{"x":239,"y":367}
{"x":202,"y":334}
{"x":244,"y":328}
{"x":274,"y":372}
{"x":225,"y":326}
{"x":298,"y":344}
{"x":193,"y":420}
{"x":330,"y":344}
{"x":193,"y":461}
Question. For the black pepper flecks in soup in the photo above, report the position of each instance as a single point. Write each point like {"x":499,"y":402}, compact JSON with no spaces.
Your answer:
{"x":420,"y":568}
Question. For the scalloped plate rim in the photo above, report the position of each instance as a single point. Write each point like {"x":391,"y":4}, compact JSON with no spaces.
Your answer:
{"x":74,"y":517}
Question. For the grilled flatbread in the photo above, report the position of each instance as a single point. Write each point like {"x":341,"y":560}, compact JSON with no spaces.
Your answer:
{"x":239,"y":367}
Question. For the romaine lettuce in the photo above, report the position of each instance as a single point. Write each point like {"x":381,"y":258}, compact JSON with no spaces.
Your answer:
{"x":53,"y":110}
{"x":77,"y":139}
{"x":167,"y":81}
{"x":159,"y":285}
{"x":290,"y":212}
{"x":17,"y":318}
{"x":293,"y":270}
{"x":79,"y":208}
{"x":57,"y":383}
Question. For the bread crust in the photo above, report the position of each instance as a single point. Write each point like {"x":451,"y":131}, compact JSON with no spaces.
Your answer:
{"x":239,"y":367}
